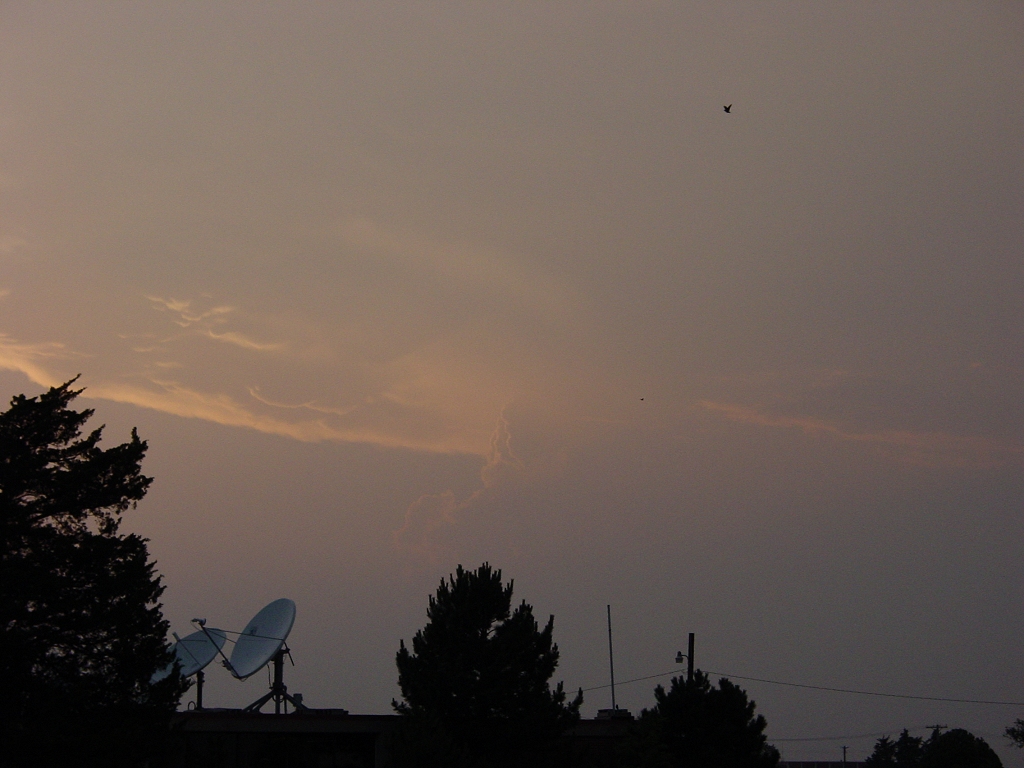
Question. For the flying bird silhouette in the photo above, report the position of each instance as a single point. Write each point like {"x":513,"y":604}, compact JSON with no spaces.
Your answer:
{"x":728,"y":108}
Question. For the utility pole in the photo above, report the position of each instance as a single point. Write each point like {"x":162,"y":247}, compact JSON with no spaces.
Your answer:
{"x":689,"y":661}
{"x":844,"y":755}
{"x":611,"y":657}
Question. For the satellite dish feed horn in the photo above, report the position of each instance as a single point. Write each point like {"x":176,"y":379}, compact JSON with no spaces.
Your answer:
{"x":263,"y":641}
{"x":201,"y":623}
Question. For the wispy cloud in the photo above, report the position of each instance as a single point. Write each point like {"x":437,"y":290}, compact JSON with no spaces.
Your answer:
{"x":175,"y":398}
{"x":29,"y":359}
{"x":180,"y":400}
{"x":366,"y":414}
{"x":924,"y":448}
{"x":232,"y":337}
{"x":203,"y":323}
{"x":186,"y":316}
{"x":311,"y":405}
{"x":431,"y":515}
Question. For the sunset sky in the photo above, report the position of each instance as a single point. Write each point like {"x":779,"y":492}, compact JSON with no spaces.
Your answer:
{"x":390,"y":287}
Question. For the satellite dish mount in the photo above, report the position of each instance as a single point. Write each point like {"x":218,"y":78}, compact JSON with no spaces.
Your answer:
{"x":278,"y":690}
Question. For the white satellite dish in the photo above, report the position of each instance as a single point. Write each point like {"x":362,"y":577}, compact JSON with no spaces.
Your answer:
{"x":194,"y":652}
{"x":262,"y":638}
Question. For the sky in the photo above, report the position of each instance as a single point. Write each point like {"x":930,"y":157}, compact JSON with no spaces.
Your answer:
{"x":393,"y":287}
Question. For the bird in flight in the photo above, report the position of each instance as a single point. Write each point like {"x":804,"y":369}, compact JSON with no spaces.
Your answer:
{"x":728,"y":108}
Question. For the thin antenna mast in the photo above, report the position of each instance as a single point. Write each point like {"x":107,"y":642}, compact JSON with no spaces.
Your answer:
{"x":611,"y":657}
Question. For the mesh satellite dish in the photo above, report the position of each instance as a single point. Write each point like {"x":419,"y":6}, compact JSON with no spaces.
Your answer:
{"x":262,"y":638}
{"x":192,"y":653}
{"x":261,"y":642}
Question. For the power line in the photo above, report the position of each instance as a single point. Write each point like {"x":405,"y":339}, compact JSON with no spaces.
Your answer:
{"x":874,"y":693}
{"x":876,"y":735}
{"x":634,"y":680}
{"x":826,"y":688}
{"x":879,"y":734}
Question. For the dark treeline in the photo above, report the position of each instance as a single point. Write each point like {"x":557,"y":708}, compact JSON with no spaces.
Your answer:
{"x":955,"y":748}
{"x":476,"y":692}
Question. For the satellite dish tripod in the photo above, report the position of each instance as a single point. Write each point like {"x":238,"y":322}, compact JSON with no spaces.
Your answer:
{"x":278,"y":690}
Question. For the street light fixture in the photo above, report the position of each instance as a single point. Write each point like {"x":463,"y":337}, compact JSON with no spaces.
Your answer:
{"x":689,"y":661}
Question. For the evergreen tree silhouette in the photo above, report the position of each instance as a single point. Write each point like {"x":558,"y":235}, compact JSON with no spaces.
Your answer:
{"x":700,"y":726}
{"x":82,"y":627}
{"x":475,"y":684}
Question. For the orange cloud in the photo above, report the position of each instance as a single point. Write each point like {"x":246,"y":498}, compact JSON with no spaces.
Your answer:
{"x":432,"y":514}
{"x":179,"y":400}
{"x":402,"y":410}
{"x":183,"y":309}
{"x":232,"y":337}
{"x":28,"y":359}
{"x":311,"y":405}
